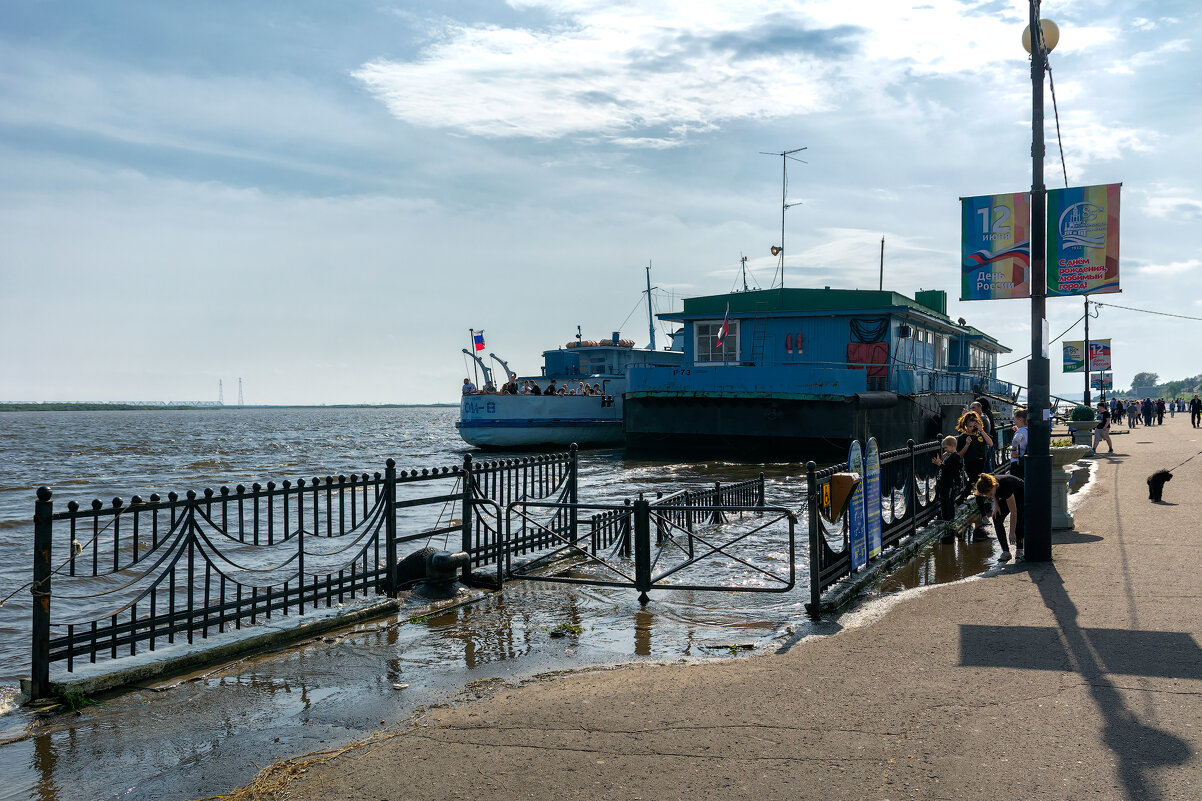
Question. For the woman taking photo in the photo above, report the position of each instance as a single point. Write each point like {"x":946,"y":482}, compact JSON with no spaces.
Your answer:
{"x":973,"y":446}
{"x":1006,"y":492}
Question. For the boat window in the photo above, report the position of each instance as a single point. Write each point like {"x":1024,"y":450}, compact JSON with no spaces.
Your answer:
{"x":705,"y":343}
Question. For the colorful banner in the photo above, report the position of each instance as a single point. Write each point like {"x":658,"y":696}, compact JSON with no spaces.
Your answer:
{"x":872,"y":497}
{"x":995,"y":246}
{"x":1099,"y":354}
{"x":857,"y":530}
{"x":1102,"y":381}
{"x":1074,"y":356}
{"x":1083,"y":240}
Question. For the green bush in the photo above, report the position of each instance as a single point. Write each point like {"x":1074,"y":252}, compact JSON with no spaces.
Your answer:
{"x":1082,"y":414}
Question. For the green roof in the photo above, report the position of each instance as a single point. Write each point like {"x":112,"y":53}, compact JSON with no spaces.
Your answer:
{"x":776,"y":301}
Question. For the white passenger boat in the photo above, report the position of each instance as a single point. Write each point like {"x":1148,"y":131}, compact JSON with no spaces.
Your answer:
{"x":496,"y":421}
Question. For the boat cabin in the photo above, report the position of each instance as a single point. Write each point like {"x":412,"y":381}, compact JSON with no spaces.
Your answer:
{"x":826,"y":343}
{"x":609,"y":357}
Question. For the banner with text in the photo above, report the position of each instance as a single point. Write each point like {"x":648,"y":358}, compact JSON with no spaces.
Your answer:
{"x":1102,"y":381}
{"x":995,"y":246}
{"x":1083,"y":240}
{"x":1074,"y":355}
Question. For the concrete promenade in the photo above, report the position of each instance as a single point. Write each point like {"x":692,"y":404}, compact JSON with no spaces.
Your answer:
{"x":1076,"y":679}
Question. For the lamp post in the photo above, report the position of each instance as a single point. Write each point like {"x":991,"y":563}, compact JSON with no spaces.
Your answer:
{"x":1039,"y":38}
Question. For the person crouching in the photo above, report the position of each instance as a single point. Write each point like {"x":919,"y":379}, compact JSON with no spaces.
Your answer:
{"x":1006,"y":492}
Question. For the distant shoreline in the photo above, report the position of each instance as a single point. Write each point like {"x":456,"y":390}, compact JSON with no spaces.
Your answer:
{"x":131,"y":407}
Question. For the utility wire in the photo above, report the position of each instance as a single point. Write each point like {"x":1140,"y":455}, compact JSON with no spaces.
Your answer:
{"x":1145,"y":311}
{"x":1057,"y":339}
{"x":1052,"y":82}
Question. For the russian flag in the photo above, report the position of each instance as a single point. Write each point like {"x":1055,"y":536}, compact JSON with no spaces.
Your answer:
{"x":725,"y":327}
{"x":478,"y":339}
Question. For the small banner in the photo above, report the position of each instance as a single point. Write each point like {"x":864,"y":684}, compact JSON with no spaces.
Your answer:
{"x":1074,"y":356}
{"x":995,"y":246}
{"x":872,"y":497}
{"x":1102,"y":381}
{"x":857,"y":530}
{"x":1083,"y":240}
{"x":1099,"y":354}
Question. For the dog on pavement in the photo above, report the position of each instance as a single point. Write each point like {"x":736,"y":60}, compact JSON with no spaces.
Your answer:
{"x":1156,"y":483}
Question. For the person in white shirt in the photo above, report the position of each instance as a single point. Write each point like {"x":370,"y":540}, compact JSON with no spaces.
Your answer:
{"x":1018,"y":445}
{"x":468,"y":387}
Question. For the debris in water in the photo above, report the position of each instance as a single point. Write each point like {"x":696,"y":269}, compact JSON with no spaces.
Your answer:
{"x":400,"y":686}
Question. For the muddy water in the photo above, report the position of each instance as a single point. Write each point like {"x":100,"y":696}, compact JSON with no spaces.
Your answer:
{"x":210,"y":733}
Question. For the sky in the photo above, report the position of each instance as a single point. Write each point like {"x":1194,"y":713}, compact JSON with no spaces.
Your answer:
{"x":323,"y":198}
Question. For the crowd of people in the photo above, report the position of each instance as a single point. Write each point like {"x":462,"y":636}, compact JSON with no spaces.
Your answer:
{"x":1150,"y":412}
{"x":528,"y":387}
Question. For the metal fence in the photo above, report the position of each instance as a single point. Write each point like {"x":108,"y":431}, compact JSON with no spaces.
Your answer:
{"x":907,"y":502}
{"x":158,"y":571}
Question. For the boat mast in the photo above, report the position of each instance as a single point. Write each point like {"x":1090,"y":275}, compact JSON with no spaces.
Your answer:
{"x":785,"y":155}
{"x":650,"y":315}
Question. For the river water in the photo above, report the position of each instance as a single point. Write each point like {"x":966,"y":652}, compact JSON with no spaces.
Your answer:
{"x":207,"y":735}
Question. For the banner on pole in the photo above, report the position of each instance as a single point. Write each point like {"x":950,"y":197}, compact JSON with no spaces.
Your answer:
{"x":1102,"y":381}
{"x":995,"y":246}
{"x":1074,"y":355}
{"x":857,"y":522}
{"x":1099,"y":354}
{"x":872,"y":497}
{"x":1083,"y":240}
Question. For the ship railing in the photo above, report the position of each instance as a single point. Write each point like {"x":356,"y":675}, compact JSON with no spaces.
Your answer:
{"x":112,"y":580}
{"x":908,"y":502}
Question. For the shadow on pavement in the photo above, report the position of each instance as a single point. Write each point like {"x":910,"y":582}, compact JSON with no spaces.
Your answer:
{"x":1073,"y":538}
{"x":1096,"y":655}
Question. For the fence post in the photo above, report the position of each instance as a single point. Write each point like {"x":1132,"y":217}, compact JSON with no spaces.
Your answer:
{"x":912,"y":489}
{"x":625,"y":530}
{"x":815,"y":603}
{"x":390,"y":525}
{"x":642,"y":549}
{"x":43,"y":518}
{"x":465,"y":516}
{"x":573,"y":495}
{"x":759,"y":500}
{"x":716,"y":516}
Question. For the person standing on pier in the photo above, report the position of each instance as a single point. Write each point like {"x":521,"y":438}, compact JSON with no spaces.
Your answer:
{"x":973,"y":445}
{"x":1195,"y":411}
{"x":1102,"y":431}
{"x":948,"y":482}
{"x":1018,"y":445}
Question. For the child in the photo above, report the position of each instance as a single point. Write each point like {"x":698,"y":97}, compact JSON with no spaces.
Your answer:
{"x":1018,"y":445}
{"x":948,"y":482}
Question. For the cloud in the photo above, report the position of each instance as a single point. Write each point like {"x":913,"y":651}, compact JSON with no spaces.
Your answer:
{"x":1171,"y":268}
{"x":651,"y":74}
{"x":1130,"y":65}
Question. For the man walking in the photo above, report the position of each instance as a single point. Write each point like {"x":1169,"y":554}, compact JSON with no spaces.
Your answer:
{"x":1195,"y":411}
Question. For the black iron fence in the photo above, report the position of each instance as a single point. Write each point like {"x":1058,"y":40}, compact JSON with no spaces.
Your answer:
{"x":907,"y":502}
{"x":153,"y":571}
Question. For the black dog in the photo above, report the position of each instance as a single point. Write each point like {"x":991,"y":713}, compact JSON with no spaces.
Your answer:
{"x":1156,"y":483}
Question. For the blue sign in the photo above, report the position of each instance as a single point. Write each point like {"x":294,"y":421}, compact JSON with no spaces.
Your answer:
{"x":872,"y":497}
{"x":857,"y":530}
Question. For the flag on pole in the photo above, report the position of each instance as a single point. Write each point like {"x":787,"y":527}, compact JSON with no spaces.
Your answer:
{"x":725,"y":327}
{"x":478,"y":339}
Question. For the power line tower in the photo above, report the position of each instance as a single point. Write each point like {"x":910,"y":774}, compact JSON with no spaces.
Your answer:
{"x":240,"y":403}
{"x":220,"y":393}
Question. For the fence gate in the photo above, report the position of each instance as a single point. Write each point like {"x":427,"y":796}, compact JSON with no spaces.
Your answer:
{"x":684,"y":536}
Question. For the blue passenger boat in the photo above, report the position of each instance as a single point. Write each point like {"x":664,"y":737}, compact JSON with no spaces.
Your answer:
{"x":802,"y":372}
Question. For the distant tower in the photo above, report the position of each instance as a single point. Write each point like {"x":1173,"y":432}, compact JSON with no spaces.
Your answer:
{"x":220,"y":393}
{"x":240,"y":403}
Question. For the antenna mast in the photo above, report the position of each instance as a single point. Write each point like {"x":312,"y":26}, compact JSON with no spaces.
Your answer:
{"x":240,"y":403}
{"x":785,"y":155}
{"x":650,"y":316}
{"x":220,"y":393}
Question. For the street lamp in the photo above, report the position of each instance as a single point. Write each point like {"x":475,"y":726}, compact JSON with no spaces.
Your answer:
{"x":1037,"y":503}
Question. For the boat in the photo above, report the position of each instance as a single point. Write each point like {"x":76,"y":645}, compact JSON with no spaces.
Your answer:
{"x":803,"y":372}
{"x":494,"y":421}
{"x":522,"y":422}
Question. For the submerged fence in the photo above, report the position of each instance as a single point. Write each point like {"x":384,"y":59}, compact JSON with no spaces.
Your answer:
{"x":158,"y":570}
{"x":907,"y":502}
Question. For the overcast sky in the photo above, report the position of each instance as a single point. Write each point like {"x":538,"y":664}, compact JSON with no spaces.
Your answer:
{"x":322,"y":198}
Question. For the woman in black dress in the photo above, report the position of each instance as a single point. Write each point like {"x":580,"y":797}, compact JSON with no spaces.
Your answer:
{"x":973,"y":446}
{"x":1007,"y":495}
